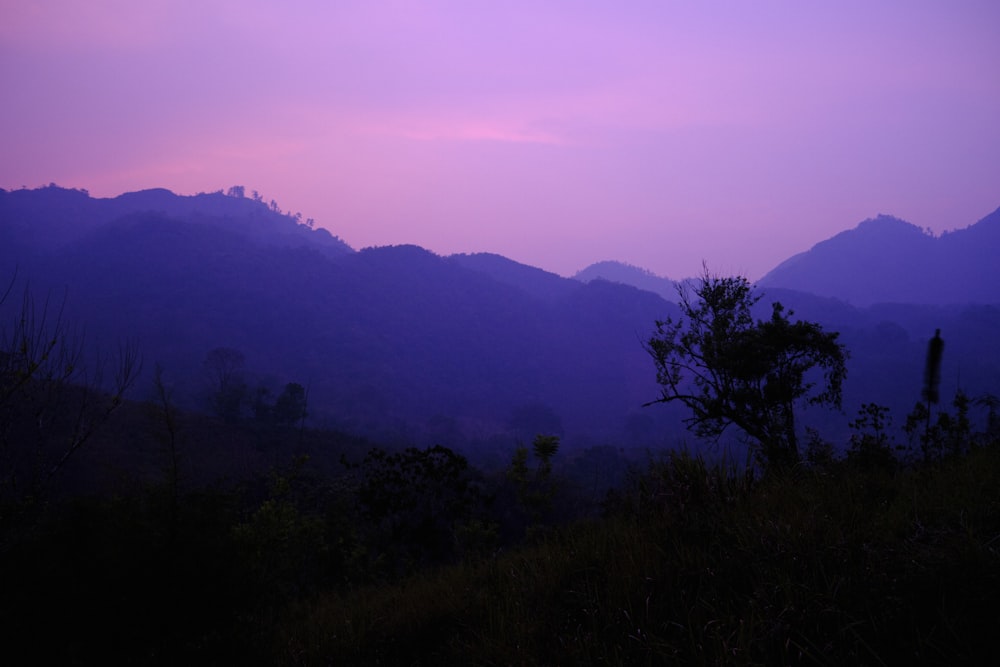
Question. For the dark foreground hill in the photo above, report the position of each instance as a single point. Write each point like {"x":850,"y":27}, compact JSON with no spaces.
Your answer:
{"x":692,"y":564}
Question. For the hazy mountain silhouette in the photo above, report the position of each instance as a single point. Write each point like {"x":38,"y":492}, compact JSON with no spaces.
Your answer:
{"x":626,"y":274}
{"x":400,"y":344}
{"x":50,"y":217}
{"x":388,"y":340}
{"x":531,"y":280}
{"x":887,"y":260}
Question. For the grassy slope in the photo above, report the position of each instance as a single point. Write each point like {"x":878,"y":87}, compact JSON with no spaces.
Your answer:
{"x":837,"y":567}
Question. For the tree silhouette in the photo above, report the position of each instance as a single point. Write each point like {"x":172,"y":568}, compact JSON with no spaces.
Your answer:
{"x":412,"y":503}
{"x":730,"y":369}
{"x":535,"y":490}
{"x":290,"y":407}
{"x":871,"y":441}
{"x":932,"y":376}
{"x":53,"y":396}
{"x":223,"y":369}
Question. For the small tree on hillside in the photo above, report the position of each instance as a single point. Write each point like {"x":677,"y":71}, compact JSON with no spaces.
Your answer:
{"x":223,"y":372}
{"x":730,"y":369}
{"x":535,"y":489}
{"x":871,"y":441}
{"x":290,"y":408}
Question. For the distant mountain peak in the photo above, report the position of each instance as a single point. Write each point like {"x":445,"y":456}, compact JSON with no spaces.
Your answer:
{"x":50,"y":216}
{"x":615,"y":265}
{"x":888,"y":260}
{"x":537,"y":282}
{"x":890,"y":224}
{"x":627,"y":274}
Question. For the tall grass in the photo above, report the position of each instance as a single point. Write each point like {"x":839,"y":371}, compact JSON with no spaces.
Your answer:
{"x":702,"y":564}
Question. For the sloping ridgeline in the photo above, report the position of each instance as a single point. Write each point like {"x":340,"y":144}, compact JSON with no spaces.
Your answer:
{"x":472,"y":351}
{"x":887,"y":260}
{"x":394,"y":341}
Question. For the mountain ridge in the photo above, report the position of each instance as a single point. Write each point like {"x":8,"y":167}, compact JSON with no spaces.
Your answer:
{"x":627,"y":274}
{"x":52,"y":215}
{"x":888,"y":260}
{"x":395,"y":341}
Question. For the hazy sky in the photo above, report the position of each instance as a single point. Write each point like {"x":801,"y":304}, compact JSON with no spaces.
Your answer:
{"x":557,"y":133}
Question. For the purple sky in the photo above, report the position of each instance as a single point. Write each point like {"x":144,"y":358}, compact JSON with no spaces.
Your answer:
{"x":558,"y":133}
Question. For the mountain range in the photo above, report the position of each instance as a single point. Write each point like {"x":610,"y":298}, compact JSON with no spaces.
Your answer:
{"x":472,"y":350}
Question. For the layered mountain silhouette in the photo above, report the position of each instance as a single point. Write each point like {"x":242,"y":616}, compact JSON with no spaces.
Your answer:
{"x":53,"y":217}
{"x":619,"y":272}
{"x":403,"y":345}
{"x":394,"y":342}
{"x":887,"y":260}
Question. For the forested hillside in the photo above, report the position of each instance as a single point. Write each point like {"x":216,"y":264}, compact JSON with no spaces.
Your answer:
{"x":406,"y":346}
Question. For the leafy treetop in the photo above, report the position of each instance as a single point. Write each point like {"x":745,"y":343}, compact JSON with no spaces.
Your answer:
{"x":730,"y":369}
